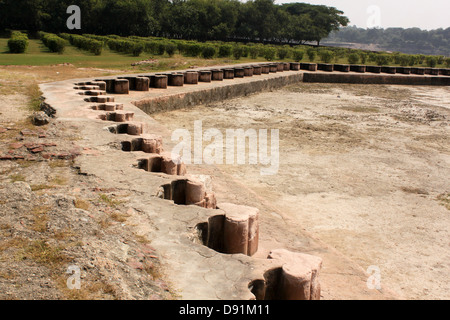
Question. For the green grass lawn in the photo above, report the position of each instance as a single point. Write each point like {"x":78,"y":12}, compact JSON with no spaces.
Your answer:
{"x":38,"y":55}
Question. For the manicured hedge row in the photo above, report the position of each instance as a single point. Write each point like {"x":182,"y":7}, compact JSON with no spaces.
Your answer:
{"x":84,"y":43}
{"x":18,"y":43}
{"x":126,"y":46}
{"x":159,"y":46}
{"x":53,"y":42}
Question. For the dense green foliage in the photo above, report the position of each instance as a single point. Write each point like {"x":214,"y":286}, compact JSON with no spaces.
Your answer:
{"x":253,"y":20}
{"x":53,"y":42}
{"x":411,"y":40}
{"x":85,"y":43}
{"x":353,"y":58}
{"x":18,"y":43}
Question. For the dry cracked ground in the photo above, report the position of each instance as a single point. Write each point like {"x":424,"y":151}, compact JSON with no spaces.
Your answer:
{"x":364,"y":170}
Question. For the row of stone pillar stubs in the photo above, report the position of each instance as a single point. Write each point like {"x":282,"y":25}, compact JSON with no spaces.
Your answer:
{"x":374,"y":69}
{"x":145,"y":82}
{"x":235,"y":230}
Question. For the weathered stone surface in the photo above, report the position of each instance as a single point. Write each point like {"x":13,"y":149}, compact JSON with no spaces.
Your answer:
{"x":131,"y":82}
{"x":257,"y":70}
{"x":299,"y":278}
{"x":134,"y":128}
{"x":388,"y":69}
{"x":94,"y":93}
{"x":273,"y":67}
{"x":248,"y":71}
{"x":210,"y":201}
{"x":100,"y":99}
{"x":195,"y":192}
{"x":308,"y":66}
{"x":181,"y":169}
{"x":121,"y":86}
{"x":241,"y":228}
{"x":265,"y":69}
{"x":120,"y":116}
{"x":228,"y":73}
{"x":40,"y":118}
{"x":358,"y":68}
{"x":100,"y":84}
{"x":204,"y":76}
{"x":280,"y":67}
{"x":160,"y":82}
{"x":168,"y":166}
{"x":176,"y":79}
{"x":191,"y":77}
{"x":418,"y":71}
{"x":373,"y":69}
{"x":295,"y":66}
{"x":216,"y":75}
{"x":142,"y":84}
{"x":325,"y":67}
{"x":109,"y":84}
{"x":151,"y":143}
{"x":341,"y":67}
{"x":239,"y":72}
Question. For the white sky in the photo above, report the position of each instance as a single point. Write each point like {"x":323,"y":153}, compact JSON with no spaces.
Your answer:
{"x":431,"y":14}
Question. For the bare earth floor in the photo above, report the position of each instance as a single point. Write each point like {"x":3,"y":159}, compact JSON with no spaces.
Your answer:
{"x":363,"y":169}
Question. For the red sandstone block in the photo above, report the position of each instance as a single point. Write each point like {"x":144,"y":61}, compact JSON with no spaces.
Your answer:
{"x":168,"y":166}
{"x":257,"y":70}
{"x":265,"y":69}
{"x":195,"y":192}
{"x":176,"y":80}
{"x":241,"y":229}
{"x":16,"y":145}
{"x":151,"y":143}
{"x":121,"y":86}
{"x":210,"y":201}
{"x":142,"y":84}
{"x":204,"y":76}
{"x":37,"y":149}
{"x":181,"y":169}
{"x":228,"y":73}
{"x":248,"y":71}
{"x":239,"y":72}
{"x":216,"y":75}
{"x":273,"y":68}
{"x":191,"y":77}
{"x":299,"y":279}
{"x":134,"y":128}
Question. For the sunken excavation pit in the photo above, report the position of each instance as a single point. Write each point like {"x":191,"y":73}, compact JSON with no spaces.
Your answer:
{"x":230,"y":228}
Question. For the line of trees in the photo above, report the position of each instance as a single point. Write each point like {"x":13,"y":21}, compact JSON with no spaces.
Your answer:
{"x":253,"y":20}
{"x":410,"y":40}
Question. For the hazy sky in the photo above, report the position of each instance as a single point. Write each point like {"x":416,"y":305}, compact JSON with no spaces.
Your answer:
{"x":431,"y":14}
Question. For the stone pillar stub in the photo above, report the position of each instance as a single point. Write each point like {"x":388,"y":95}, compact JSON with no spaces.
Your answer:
{"x":299,"y":277}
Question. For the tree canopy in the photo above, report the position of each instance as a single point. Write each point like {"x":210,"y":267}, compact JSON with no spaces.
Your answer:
{"x":411,"y":40}
{"x":253,"y":20}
